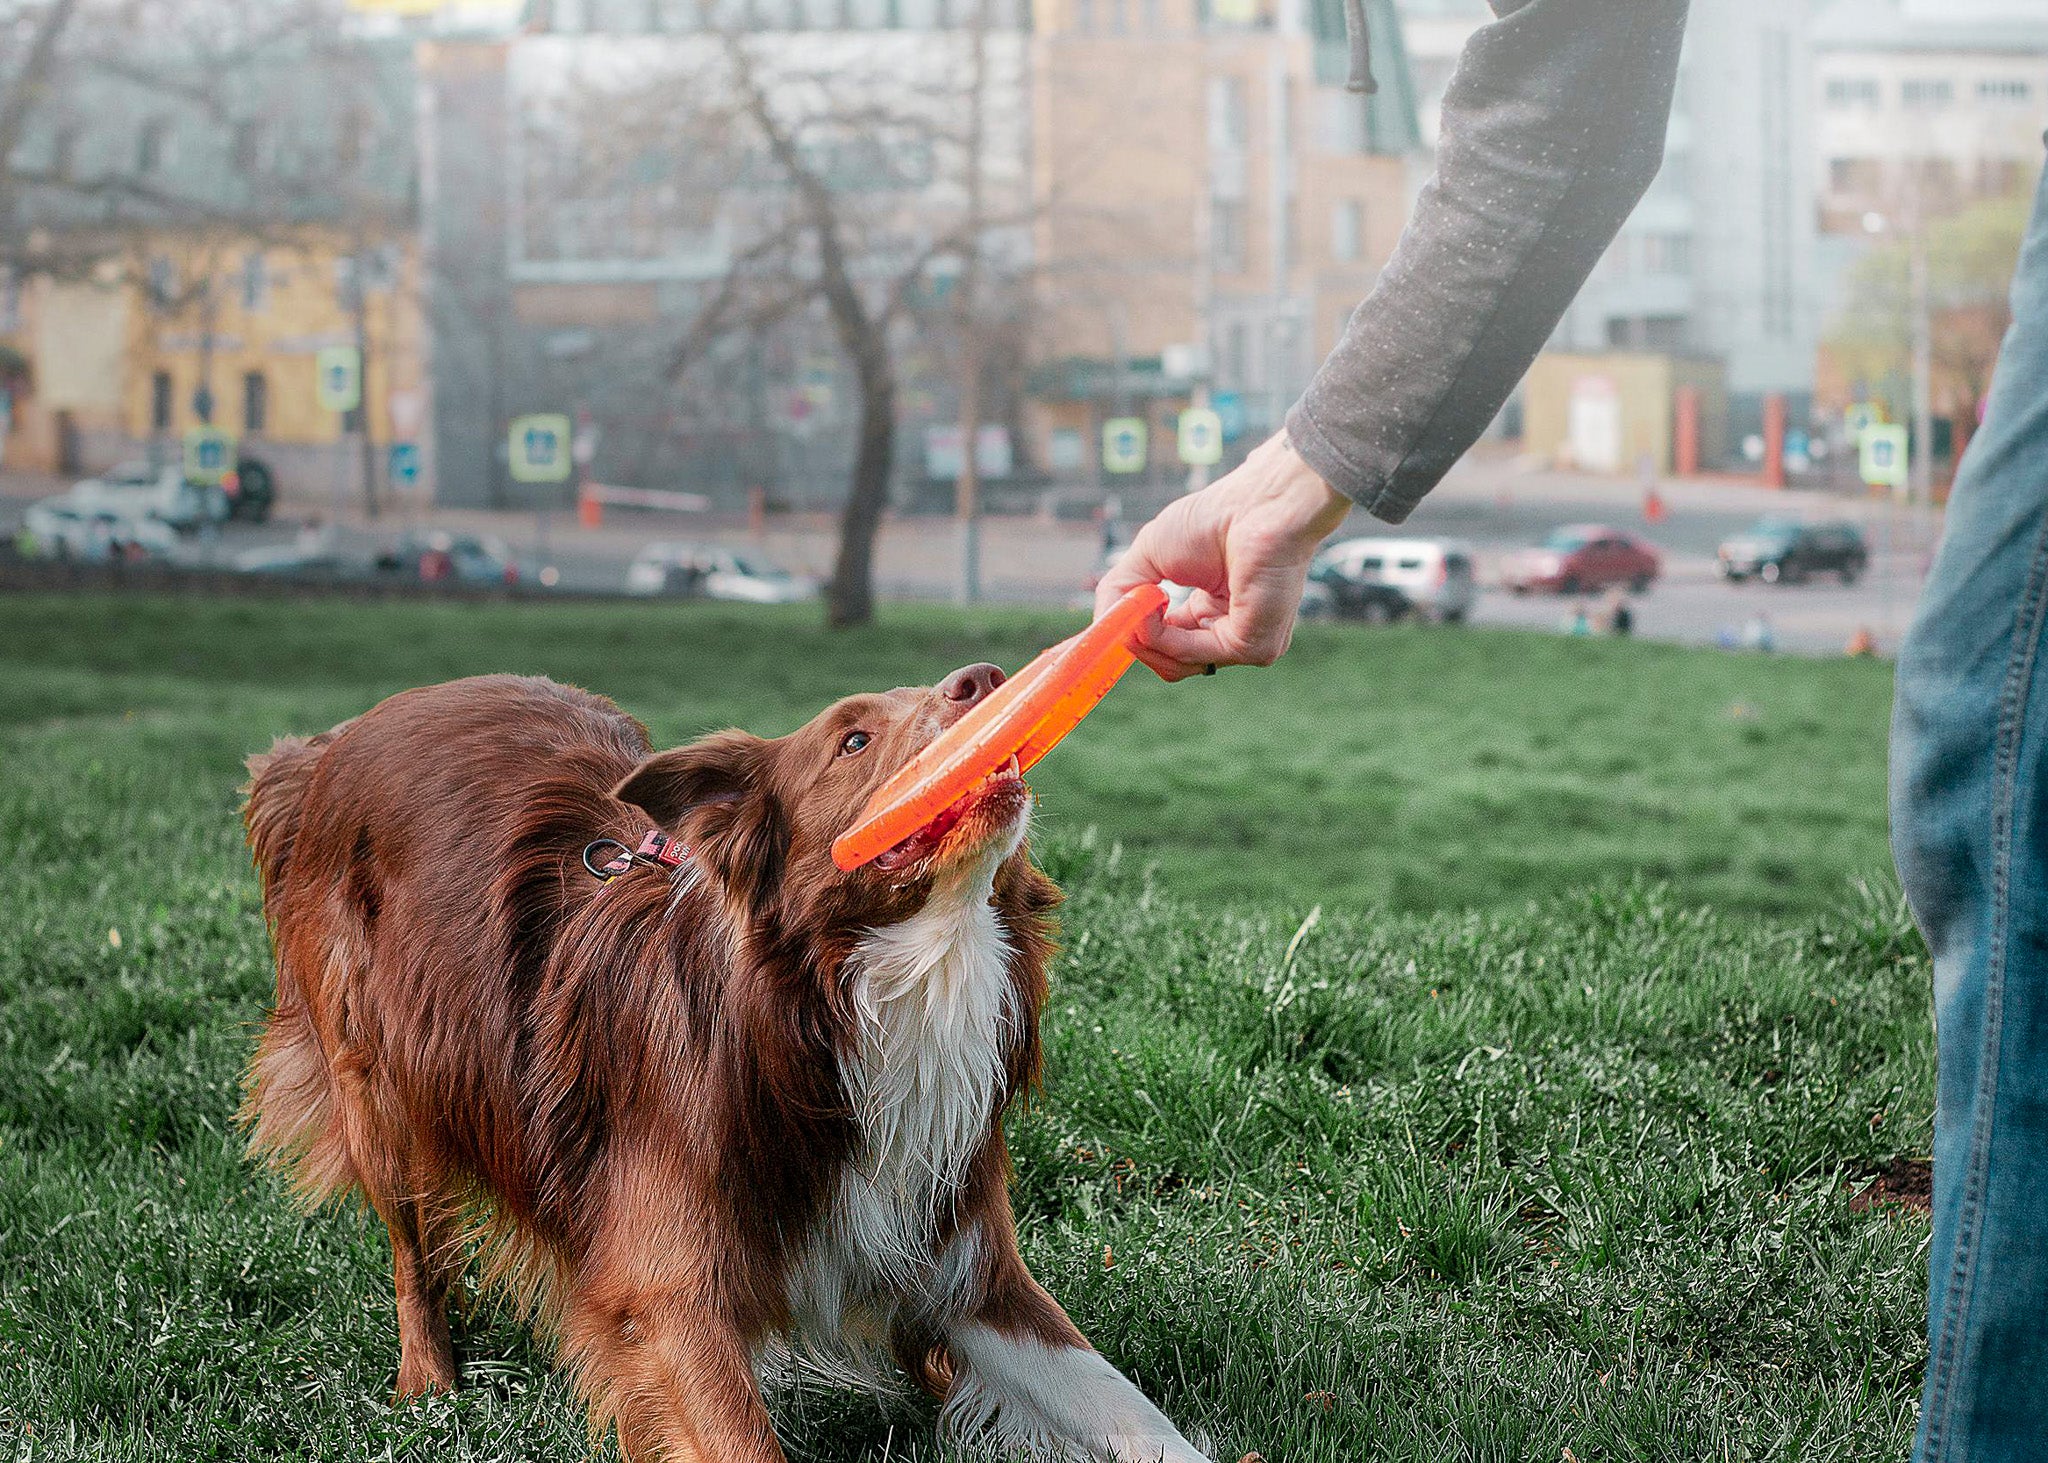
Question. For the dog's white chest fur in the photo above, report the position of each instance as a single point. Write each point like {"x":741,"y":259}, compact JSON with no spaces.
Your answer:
{"x":937,"y":1014}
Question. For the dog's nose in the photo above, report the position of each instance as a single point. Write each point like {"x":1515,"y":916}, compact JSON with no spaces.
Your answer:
{"x":970,"y":686}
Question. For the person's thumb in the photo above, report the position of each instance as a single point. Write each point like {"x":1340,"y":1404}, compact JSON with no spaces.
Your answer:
{"x":1133,"y":568}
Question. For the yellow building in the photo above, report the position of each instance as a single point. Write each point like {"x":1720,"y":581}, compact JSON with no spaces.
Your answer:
{"x":117,"y":364}
{"x":254,"y":335}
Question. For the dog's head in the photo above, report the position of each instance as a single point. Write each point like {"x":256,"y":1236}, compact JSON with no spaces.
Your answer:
{"x":760,"y":814}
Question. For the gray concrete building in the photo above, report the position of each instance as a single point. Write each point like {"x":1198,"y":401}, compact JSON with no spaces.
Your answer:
{"x":1718,"y":259}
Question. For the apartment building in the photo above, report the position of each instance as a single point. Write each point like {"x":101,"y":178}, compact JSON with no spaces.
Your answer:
{"x":227,"y":223}
{"x":1922,"y":106}
{"x":1212,"y":204}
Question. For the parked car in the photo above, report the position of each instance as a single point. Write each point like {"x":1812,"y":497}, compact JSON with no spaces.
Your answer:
{"x":708,"y":571}
{"x":435,"y":557}
{"x":59,"y":528}
{"x":1583,"y":559}
{"x":1776,"y":549}
{"x":137,"y":490}
{"x":313,"y":553}
{"x":1385,"y":578}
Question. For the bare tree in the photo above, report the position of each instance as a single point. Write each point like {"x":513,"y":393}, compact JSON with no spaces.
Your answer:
{"x":878,"y":193}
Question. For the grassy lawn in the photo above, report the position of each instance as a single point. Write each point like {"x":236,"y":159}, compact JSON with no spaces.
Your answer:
{"x":1460,"y":1049}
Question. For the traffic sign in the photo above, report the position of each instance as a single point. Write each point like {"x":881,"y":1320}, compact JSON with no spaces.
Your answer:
{"x":1882,"y":453}
{"x":405,"y":464}
{"x":1229,"y":407}
{"x":338,"y":378}
{"x":540,"y":448}
{"x":1201,"y":437}
{"x":1123,"y":444}
{"x":209,"y":455}
{"x":1858,"y":415}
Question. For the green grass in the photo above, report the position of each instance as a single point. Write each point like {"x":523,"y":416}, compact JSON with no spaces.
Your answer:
{"x":1534,"y":1138}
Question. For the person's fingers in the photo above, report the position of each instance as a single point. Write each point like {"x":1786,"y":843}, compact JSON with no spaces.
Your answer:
{"x":1164,"y":668}
{"x":1192,"y":650}
{"x":1197,"y":609}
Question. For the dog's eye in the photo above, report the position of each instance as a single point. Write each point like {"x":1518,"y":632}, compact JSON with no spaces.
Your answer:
{"x":852,"y":742}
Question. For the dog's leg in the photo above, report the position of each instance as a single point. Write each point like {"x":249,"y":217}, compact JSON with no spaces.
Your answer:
{"x":679,"y":1381}
{"x":1024,"y":1377}
{"x":423,"y":1276}
{"x":424,"y":1262}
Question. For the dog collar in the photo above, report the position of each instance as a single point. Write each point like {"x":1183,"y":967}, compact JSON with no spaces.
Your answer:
{"x":655,"y":848}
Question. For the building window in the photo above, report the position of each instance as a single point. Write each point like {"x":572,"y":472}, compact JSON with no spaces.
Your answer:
{"x":2004,"y":89}
{"x":1997,"y":177}
{"x":163,"y":281}
{"x":246,"y":145}
{"x":1237,"y":353}
{"x":1227,"y":236}
{"x":1347,"y":230}
{"x":1230,"y":113}
{"x":1667,"y":253}
{"x":1854,"y":175}
{"x":1927,"y":93}
{"x":377,"y":268}
{"x":1664,"y":332}
{"x":1845,"y":92}
{"x":160,"y":398}
{"x":255,"y":281}
{"x":152,"y":147}
{"x":255,"y":403}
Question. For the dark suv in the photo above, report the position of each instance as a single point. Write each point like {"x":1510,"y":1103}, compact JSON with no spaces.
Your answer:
{"x":1784,"y":549}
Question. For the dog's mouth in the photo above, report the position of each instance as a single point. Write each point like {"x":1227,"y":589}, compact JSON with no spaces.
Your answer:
{"x":990,"y":808}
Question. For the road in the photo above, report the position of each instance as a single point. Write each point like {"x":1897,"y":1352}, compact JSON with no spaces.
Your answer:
{"x":1492,"y":504}
{"x":1496,"y":509}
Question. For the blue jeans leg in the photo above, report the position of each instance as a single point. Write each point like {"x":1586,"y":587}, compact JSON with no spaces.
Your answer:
{"x":1969,"y":814}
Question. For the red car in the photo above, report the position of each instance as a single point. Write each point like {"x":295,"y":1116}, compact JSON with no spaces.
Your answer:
{"x":1583,"y":559}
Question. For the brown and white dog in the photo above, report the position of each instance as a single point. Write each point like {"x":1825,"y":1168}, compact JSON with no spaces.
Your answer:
{"x":704,"y":1114}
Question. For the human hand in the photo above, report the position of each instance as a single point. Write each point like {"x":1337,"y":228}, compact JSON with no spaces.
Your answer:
{"x":1243,"y":545}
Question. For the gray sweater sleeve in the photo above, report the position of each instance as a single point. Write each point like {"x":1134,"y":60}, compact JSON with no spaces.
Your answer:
{"x":1553,"y":127}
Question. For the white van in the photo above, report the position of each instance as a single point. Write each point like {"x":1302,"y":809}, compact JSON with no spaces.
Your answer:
{"x":1434,"y":574}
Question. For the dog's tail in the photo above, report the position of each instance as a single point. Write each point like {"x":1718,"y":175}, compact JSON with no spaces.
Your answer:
{"x":273,"y":799}
{"x":288,"y":1107}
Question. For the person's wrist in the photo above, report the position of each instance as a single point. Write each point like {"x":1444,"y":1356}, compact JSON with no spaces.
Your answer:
{"x":1322,"y":507}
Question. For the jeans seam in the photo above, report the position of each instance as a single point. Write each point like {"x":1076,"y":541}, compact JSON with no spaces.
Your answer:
{"x":2013,"y":698}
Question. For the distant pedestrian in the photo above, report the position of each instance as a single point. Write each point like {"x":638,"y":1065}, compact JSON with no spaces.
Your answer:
{"x":1580,"y":623}
{"x":1862,"y":644}
{"x":1758,"y":635}
{"x":1620,"y":619}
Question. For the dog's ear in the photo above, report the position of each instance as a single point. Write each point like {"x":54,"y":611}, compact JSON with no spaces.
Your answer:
{"x":724,"y":767}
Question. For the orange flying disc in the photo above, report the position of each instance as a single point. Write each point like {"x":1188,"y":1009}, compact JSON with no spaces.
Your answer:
{"x":1024,"y":718}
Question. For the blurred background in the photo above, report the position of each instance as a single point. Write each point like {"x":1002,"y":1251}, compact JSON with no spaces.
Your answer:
{"x":710,"y":300}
